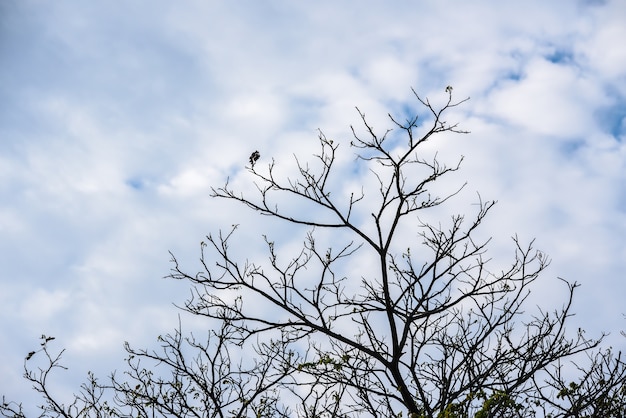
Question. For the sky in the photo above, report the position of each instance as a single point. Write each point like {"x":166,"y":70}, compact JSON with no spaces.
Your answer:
{"x":117,"y":118}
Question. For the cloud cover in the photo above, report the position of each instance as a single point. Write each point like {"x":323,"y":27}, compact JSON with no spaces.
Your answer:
{"x":116,"y":119}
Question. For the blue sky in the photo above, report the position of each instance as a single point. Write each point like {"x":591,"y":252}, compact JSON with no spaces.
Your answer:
{"x":118,"y":117}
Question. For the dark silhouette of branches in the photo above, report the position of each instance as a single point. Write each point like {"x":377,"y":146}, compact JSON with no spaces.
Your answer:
{"x":397,"y":316}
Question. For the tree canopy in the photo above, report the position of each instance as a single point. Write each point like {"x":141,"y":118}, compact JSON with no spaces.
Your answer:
{"x":381,"y":311}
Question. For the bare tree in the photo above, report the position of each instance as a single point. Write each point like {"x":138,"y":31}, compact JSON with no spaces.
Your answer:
{"x":392,"y":316}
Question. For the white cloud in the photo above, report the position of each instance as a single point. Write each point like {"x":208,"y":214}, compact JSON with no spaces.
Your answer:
{"x":549,"y":99}
{"x":600,"y":47}
{"x":117,"y":120}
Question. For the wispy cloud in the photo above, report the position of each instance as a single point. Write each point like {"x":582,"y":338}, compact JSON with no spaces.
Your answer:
{"x":117,"y":119}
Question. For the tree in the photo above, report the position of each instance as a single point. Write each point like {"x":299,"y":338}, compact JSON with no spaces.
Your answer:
{"x":380,"y":312}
